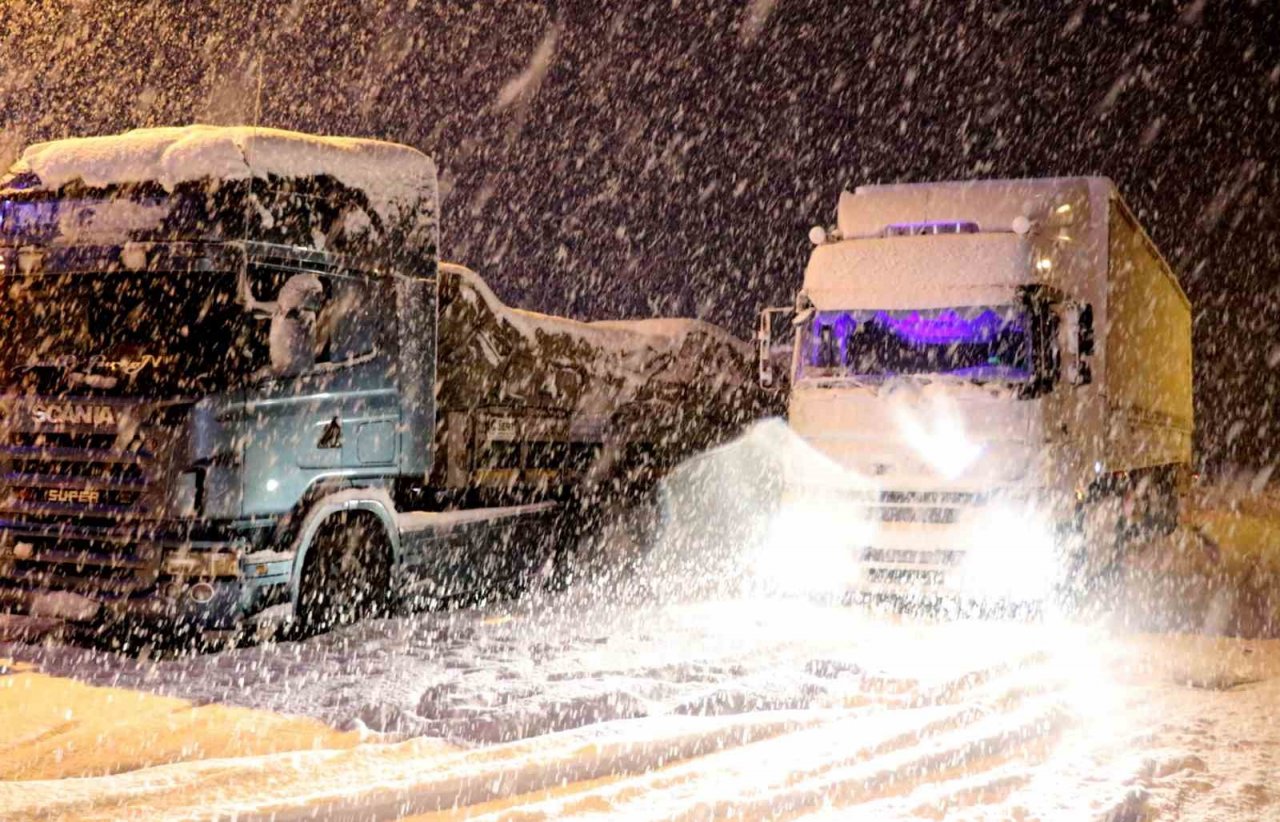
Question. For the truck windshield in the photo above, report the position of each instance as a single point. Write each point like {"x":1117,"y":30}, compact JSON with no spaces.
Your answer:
{"x":135,"y":333}
{"x":981,"y":343}
{"x":86,"y":220}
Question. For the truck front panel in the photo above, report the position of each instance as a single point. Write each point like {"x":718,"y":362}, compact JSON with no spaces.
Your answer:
{"x":936,"y":482}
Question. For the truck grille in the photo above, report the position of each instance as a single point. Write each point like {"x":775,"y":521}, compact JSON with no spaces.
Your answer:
{"x":83,"y":471}
{"x":75,"y":510}
{"x":906,"y":577}
{"x":58,"y":562}
{"x":917,"y":570}
{"x":933,"y":516}
{"x":96,"y":441}
{"x":928,"y":507}
{"x":906,"y":556}
{"x":50,"y":465}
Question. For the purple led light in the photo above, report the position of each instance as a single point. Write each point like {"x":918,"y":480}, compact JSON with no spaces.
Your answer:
{"x":931,"y":227}
{"x":946,"y":327}
{"x":21,"y":182}
{"x":979,"y":342}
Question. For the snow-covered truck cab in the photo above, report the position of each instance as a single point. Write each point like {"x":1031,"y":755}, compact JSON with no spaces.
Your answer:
{"x":208,"y":333}
{"x":237,"y":385}
{"x":1002,"y":373}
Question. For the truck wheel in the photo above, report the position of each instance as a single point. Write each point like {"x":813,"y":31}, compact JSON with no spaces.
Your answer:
{"x":1099,"y":539}
{"x":1167,"y":507}
{"x":347,"y":574}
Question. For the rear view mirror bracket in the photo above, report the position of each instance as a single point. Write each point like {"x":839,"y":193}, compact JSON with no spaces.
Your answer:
{"x":1078,"y":342}
{"x":771,"y":322}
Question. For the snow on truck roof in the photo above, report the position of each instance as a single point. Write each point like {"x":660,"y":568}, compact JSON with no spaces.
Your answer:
{"x":991,"y":204}
{"x":391,"y":176}
{"x":1001,"y":182}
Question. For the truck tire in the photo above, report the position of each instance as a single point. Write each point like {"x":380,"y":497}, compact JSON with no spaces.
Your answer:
{"x":1096,"y":543}
{"x":347,"y":574}
{"x":1120,"y":521}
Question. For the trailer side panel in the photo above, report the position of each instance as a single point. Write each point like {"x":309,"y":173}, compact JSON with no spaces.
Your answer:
{"x":1148,"y":351}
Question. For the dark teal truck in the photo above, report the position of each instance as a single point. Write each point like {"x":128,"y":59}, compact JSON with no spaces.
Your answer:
{"x":238,"y":388}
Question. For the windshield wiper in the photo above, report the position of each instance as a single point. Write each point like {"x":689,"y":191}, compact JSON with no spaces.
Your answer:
{"x":858,"y":380}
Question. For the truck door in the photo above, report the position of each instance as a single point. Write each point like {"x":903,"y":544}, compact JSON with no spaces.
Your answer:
{"x":326,"y":405}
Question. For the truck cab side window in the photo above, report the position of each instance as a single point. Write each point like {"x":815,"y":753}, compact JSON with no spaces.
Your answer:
{"x":348,"y":326}
{"x":339,"y":322}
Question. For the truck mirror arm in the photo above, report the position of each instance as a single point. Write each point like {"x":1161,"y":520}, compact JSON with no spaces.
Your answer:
{"x":1086,"y":330}
{"x":766,"y":337}
{"x":1047,"y":319}
{"x":1077,"y":342}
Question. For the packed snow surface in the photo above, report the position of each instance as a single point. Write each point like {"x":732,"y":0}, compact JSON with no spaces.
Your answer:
{"x":757,"y":708}
{"x":677,"y":689}
{"x":390,"y":175}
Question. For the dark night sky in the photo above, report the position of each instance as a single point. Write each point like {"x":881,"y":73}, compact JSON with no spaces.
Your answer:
{"x":675,"y":153}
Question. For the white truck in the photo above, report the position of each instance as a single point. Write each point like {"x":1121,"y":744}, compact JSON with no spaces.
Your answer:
{"x":999,"y":375}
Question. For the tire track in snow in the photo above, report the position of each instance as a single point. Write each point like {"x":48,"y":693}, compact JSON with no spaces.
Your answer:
{"x":793,"y":711}
{"x":976,"y":744}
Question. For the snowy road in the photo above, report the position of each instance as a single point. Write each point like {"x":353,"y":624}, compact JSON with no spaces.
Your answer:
{"x":755,"y":708}
{"x":483,"y":677}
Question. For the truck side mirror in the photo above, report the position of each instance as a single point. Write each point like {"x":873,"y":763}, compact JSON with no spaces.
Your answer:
{"x":292,"y":339}
{"x":1086,"y":330}
{"x":1077,"y":332}
{"x":767,"y":335}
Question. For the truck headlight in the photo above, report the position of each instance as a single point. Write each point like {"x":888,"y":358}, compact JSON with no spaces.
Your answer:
{"x":1011,"y":553}
{"x":810,"y":545}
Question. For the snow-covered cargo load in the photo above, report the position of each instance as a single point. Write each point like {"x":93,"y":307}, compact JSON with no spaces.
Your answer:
{"x":528,"y":399}
{"x":234,"y":386}
{"x":1002,"y":371}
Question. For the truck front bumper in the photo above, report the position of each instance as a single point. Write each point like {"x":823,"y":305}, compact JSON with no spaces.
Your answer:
{"x":203,"y":605}
{"x":145,"y":573}
{"x":996,"y":555}
{"x":927,"y":544}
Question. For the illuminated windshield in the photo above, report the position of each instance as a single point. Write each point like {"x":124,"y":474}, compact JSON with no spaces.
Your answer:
{"x":982,"y":343}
